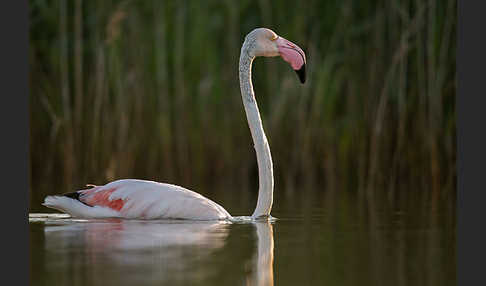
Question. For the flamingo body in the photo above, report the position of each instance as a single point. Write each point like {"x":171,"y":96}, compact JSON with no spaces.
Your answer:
{"x":138,"y":199}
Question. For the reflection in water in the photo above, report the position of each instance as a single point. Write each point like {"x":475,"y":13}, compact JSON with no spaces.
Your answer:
{"x":263,"y":260}
{"x":146,"y":252}
{"x":116,"y":234}
{"x":162,"y":251}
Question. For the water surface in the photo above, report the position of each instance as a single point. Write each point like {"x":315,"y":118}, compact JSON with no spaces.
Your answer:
{"x":321,"y":240}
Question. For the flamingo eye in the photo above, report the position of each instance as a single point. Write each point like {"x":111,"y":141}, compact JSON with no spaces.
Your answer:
{"x":274,"y":38}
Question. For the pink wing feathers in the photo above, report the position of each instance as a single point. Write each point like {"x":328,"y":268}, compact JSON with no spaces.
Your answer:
{"x":99,"y":196}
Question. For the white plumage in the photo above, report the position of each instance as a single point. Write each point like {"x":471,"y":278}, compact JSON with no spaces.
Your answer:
{"x":139,"y":199}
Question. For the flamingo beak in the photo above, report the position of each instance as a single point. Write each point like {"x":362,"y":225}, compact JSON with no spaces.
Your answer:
{"x":294,"y":55}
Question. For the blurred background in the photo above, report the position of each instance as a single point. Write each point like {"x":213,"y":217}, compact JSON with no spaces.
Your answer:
{"x":150,"y":90}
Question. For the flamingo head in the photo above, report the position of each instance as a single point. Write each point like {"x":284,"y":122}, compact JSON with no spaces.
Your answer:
{"x":268,"y":44}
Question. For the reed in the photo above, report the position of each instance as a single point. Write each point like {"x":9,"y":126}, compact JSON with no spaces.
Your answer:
{"x":149,"y":89}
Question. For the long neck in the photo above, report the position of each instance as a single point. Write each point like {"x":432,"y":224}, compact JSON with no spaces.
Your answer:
{"x":264,"y":158}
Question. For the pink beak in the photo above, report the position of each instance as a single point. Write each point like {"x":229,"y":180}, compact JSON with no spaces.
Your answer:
{"x":294,"y":55}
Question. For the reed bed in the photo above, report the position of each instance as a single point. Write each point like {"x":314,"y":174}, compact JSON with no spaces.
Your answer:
{"x":149,"y":89}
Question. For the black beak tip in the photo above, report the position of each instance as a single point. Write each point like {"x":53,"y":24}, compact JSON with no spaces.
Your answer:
{"x":301,"y":73}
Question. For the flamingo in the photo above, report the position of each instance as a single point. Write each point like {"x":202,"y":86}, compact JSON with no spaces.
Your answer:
{"x":142,"y":199}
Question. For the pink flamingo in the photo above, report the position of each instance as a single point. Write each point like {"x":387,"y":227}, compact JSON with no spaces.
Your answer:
{"x":141,"y":199}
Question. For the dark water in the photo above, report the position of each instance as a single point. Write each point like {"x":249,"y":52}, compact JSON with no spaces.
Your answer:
{"x":333,"y":239}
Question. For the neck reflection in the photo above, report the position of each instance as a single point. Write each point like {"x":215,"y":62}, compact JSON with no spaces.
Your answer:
{"x":263,"y":261}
